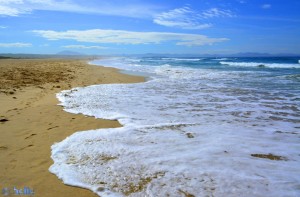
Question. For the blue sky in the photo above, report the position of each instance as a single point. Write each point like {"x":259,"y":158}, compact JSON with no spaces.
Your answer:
{"x":150,"y":26}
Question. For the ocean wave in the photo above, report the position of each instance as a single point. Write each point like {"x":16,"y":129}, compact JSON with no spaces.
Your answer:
{"x":171,"y":137}
{"x":293,"y":77}
{"x":262,"y":65}
{"x":183,"y":59}
{"x":181,"y":136}
{"x":221,"y":59}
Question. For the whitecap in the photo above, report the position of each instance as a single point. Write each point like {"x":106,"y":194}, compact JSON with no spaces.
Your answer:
{"x":257,"y":64}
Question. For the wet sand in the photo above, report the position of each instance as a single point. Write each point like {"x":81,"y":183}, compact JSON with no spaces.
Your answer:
{"x":31,"y":121}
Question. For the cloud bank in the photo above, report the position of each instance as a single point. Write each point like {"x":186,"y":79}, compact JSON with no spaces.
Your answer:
{"x":128,"y":37}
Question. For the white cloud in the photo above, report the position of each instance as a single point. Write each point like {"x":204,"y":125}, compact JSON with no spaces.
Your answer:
{"x":12,"y":7}
{"x":18,"y":7}
{"x":17,"y":44}
{"x":11,"y":1}
{"x":83,"y":47}
{"x":184,"y":18}
{"x":9,"y":11}
{"x":113,"y":7}
{"x":128,"y":37}
{"x":3,"y":27}
{"x":266,"y":6}
{"x":216,"y":13}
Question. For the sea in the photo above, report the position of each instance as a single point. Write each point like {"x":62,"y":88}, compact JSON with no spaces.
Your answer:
{"x":196,"y":127}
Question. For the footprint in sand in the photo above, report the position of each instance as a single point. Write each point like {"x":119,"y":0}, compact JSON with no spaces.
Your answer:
{"x":30,"y":136}
{"x":3,"y":120}
{"x":3,"y":147}
{"x":52,"y":127}
{"x":30,"y":145}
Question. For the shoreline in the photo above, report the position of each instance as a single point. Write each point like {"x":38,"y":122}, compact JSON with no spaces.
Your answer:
{"x":35,"y":121}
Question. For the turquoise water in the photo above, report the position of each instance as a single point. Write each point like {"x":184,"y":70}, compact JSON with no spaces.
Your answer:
{"x":279,"y":73}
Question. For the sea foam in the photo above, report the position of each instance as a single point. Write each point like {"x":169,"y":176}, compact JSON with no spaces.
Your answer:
{"x":257,"y":64}
{"x":186,"y":131}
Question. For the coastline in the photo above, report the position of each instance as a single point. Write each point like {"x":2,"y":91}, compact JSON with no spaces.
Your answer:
{"x":35,"y":121}
{"x":184,"y":136}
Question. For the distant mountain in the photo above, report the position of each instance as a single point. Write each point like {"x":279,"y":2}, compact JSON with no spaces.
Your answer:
{"x":4,"y":57}
{"x":70,"y":53}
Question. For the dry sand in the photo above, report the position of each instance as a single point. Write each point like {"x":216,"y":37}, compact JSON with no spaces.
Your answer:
{"x":31,"y":121}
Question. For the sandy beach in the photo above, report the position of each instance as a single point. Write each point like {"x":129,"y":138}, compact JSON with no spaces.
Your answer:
{"x":31,"y":120}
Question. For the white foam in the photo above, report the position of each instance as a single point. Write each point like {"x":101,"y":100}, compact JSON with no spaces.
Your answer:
{"x":221,"y":59}
{"x":257,"y":64}
{"x":183,"y":59}
{"x":186,"y":131}
{"x":163,"y":161}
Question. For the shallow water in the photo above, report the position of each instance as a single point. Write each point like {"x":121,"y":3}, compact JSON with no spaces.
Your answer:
{"x":190,"y":129}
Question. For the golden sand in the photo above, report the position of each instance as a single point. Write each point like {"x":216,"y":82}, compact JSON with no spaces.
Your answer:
{"x":31,"y":121}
